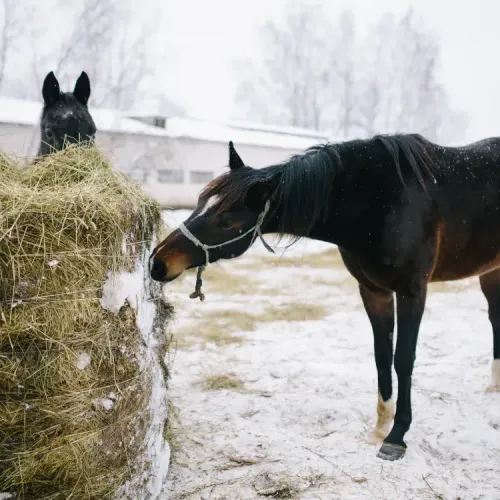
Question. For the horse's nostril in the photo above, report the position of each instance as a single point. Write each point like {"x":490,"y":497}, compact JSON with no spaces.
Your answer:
{"x":158,"y":270}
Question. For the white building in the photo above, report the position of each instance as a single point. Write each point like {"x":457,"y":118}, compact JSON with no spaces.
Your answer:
{"x":172,"y":157}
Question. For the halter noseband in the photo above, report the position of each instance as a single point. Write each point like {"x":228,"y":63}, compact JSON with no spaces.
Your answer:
{"x":255,"y":230}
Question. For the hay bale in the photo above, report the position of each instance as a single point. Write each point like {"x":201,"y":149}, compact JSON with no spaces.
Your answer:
{"x":82,"y":342}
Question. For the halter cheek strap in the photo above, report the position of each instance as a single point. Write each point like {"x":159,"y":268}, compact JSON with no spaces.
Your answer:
{"x":255,"y":230}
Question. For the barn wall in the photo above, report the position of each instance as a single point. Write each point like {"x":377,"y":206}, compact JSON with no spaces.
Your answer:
{"x":22,"y":140}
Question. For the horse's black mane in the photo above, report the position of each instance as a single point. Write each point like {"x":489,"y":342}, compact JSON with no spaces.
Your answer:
{"x":312,"y":173}
{"x":413,"y":149}
{"x":306,"y":180}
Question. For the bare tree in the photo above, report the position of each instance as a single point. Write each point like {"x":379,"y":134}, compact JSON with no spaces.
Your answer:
{"x":11,"y":29}
{"x":286,"y":86}
{"x":403,"y":82}
{"x":316,"y":73}
{"x":90,"y":37}
{"x":343,"y":76}
{"x":103,"y":37}
{"x":308,"y":74}
{"x":377,"y":83}
{"x":112,"y":49}
{"x":130,"y":68}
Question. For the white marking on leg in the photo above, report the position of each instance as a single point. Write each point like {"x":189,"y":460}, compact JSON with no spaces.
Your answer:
{"x":495,"y":377}
{"x":385,"y":417}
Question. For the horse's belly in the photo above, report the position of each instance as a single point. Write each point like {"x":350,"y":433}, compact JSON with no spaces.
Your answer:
{"x":459,"y":259}
{"x":465,"y":270}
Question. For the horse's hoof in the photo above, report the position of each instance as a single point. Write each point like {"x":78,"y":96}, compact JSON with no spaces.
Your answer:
{"x":389,"y":451}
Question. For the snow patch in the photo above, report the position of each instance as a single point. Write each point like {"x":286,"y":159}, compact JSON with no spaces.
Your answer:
{"x":105,"y":403}
{"x":136,"y":289}
{"x":83,"y":361}
{"x":122,"y":288}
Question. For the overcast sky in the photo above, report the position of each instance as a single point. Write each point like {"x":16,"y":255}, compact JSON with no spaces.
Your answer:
{"x":207,"y":35}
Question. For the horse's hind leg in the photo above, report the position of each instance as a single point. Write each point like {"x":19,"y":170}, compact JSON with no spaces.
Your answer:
{"x":490,"y":285}
{"x":379,"y":307}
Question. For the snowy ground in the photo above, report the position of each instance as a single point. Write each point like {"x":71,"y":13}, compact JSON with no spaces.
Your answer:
{"x":287,"y":340}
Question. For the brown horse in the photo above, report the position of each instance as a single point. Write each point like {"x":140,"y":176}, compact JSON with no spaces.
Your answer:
{"x":403,"y":212}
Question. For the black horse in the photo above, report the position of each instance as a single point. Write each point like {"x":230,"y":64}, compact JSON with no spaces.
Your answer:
{"x":403,"y":212}
{"x":65,"y":115}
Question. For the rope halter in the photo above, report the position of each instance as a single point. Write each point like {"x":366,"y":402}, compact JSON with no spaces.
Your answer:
{"x":256,"y":230}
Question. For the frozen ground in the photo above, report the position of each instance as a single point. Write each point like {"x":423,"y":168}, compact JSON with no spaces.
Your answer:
{"x":275,"y":383}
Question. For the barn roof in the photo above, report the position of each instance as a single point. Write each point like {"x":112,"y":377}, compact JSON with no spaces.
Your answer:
{"x":224,"y":132}
{"x":25,"y":112}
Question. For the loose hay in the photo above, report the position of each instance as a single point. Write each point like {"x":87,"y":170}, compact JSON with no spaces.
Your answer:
{"x":75,"y":389}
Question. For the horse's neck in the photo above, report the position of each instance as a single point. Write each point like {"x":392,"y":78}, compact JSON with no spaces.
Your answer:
{"x":317,"y":232}
{"x":335,"y":225}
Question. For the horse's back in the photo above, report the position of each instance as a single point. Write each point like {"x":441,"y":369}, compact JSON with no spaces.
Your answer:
{"x":483,"y":143}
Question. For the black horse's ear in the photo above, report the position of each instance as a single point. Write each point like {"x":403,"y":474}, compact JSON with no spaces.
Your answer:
{"x":234,"y":158}
{"x":82,"y":88}
{"x":260,"y":192}
{"x":50,"y":90}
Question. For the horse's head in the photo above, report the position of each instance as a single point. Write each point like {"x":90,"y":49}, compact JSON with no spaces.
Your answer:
{"x":65,"y":116}
{"x":230,"y":211}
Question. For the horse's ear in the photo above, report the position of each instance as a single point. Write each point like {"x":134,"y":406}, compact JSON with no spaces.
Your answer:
{"x":234,"y":158}
{"x":260,"y":192}
{"x":50,"y":90}
{"x":82,"y":88}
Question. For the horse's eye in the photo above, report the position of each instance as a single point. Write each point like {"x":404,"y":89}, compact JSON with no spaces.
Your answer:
{"x":226,"y":221}
{"x":49,"y":134}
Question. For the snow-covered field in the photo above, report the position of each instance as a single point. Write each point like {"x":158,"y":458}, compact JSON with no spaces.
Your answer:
{"x":275,"y":382}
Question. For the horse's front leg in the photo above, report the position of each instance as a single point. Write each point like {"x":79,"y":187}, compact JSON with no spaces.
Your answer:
{"x":379,"y":306}
{"x":410,"y":308}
